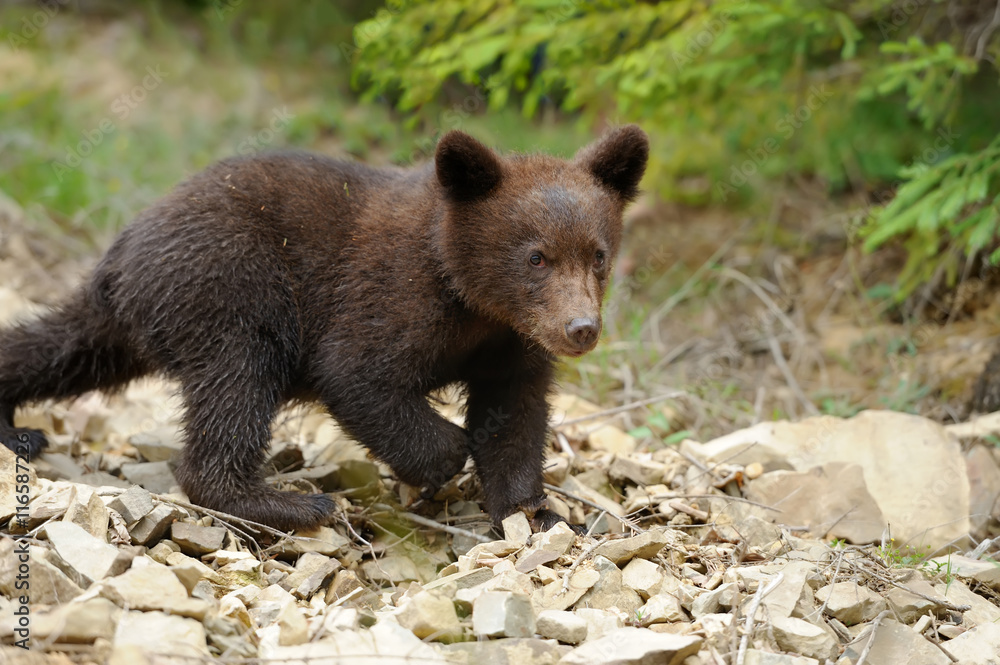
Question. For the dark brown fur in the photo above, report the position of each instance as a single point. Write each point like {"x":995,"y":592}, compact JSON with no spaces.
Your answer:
{"x":293,"y":276}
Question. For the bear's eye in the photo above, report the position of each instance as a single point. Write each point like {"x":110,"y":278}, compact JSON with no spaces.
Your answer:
{"x":599,"y":259}
{"x":536,"y":259}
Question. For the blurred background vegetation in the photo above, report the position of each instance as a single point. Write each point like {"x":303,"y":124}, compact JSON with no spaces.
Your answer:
{"x":820,"y":229}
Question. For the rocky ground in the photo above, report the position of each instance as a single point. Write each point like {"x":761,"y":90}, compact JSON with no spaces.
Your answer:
{"x":861,"y":540}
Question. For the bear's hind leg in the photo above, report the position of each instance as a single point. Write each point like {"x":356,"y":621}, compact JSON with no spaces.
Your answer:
{"x":64,"y":353}
{"x":229,"y":409}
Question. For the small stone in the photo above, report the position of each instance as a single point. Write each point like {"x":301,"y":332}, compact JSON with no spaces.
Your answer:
{"x":599,"y":622}
{"x":156,"y":477}
{"x":164,"y":634}
{"x":503,"y":614}
{"x":77,"y":622}
{"x":982,"y":611}
{"x":49,"y":585}
{"x":133,"y":504}
{"x":311,"y":571}
{"x":428,"y":614}
{"x":292,"y":626}
{"x":148,"y":585}
{"x":393,"y":568}
{"x":753,"y":470}
{"x":385,"y":643}
{"x":896,"y":643}
{"x":533,"y":559}
{"x":82,"y":556}
{"x":850,"y":603}
{"x":978,"y":646}
{"x":640,"y":471}
{"x":50,"y":504}
{"x":511,"y":651}
{"x":807,"y":639}
{"x":643,"y":546}
{"x":561,"y":625}
{"x":154,"y":525}
{"x":87,"y":511}
{"x":757,"y":657}
{"x":516,"y":528}
{"x":908,"y":607}
{"x":559,"y":539}
{"x":462,"y":580}
{"x":196,"y":540}
{"x":984,"y":572}
{"x":190,"y":571}
{"x":661,"y":608}
{"x":554,"y":597}
{"x":643,"y":576}
{"x":161,"y":550}
{"x":14,"y":478}
{"x":634,"y":646}
{"x":321,"y":540}
{"x":609,"y":591}
{"x":723,"y":596}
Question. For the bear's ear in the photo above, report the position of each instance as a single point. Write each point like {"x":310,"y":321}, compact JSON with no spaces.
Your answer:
{"x":466,"y":168}
{"x":618,"y":159}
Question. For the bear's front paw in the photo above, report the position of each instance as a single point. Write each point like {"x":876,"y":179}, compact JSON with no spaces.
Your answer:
{"x":545,"y":519}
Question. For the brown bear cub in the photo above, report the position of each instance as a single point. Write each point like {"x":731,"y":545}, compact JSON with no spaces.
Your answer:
{"x":292,"y":276}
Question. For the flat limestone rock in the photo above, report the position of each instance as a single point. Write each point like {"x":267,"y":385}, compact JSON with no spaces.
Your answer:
{"x":644,"y":546}
{"x":89,"y":558}
{"x":634,"y":646}
{"x":978,"y":646}
{"x":561,"y":625}
{"x":195,"y":539}
{"x":850,"y":603}
{"x":79,"y":623}
{"x":511,"y":651}
{"x":609,"y":592}
{"x":159,"y":633}
{"x":897,"y":643}
{"x":553,"y":596}
{"x":926,"y":498}
{"x":503,"y":614}
{"x":831,"y":499}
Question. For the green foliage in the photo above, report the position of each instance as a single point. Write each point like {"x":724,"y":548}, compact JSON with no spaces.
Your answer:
{"x":735,"y":93}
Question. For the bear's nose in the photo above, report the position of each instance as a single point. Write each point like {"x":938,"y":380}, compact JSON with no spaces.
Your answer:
{"x":583,"y":332}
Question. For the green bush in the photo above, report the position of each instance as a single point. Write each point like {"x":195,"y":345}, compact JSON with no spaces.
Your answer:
{"x":738,"y":93}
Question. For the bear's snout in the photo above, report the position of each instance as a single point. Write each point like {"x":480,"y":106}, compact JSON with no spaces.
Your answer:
{"x":583,"y":332}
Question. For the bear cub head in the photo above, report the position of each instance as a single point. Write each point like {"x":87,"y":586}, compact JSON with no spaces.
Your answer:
{"x":529,"y":240}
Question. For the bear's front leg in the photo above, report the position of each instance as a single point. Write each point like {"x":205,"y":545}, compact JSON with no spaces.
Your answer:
{"x":401,"y":429}
{"x":507,"y":420}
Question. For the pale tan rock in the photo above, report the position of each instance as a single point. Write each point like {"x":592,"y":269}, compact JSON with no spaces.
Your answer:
{"x":927,"y":502}
{"x":82,"y":556}
{"x":152,"y":586}
{"x":723,"y":596}
{"x":503,"y":614}
{"x":984,"y":572}
{"x":133,"y":504}
{"x":195,"y":539}
{"x":76,"y":622}
{"x":159,"y":633}
{"x":758,"y":657}
{"x":14,"y":482}
{"x":321,"y":540}
{"x":982,"y":611}
{"x":48,"y":584}
{"x":599,"y":622}
{"x":984,"y":485}
{"x":644,"y":546}
{"x":292,"y":626}
{"x":661,"y":608}
{"x":609,"y":592}
{"x":896,"y":643}
{"x":559,"y":539}
{"x":641,"y":470}
{"x":908,"y":607}
{"x":516,"y":528}
{"x":634,"y":646}
{"x":561,"y":625}
{"x":428,"y":614}
{"x":554,"y":597}
{"x":977,"y":646}
{"x":805,"y":638}
{"x":831,"y":499}
{"x":850,"y":602}
{"x":385,"y":643}
{"x":87,"y":511}
{"x":643,"y":576}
